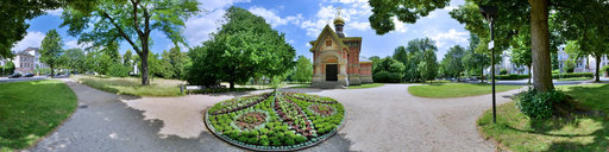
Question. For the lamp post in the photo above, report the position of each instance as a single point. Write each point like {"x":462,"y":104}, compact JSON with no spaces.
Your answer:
{"x":489,"y":13}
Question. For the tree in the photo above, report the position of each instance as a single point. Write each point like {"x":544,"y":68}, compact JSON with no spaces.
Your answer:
{"x":51,"y":49}
{"x":177,"y":62}
{"x":416,"y":49}
{"x":428,"y":67}
{"x":131,"y":21}
{"x":588,"y":26}
{"x":388,"y":70}
{"x":242,"y":48}
{"x":521,"y":52}
{"x":304,"y":69}
{"x":401,"y":55}
{"x":451,"y":64}
{"x":513,"y":13}
{"x":75,"y":59}
{"x":127,"y":59}
{"x":15,"y":13}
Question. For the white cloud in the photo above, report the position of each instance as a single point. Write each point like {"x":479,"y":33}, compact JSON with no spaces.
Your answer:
{"x":55,"y":12}
{"x":269,"y":16}
{"x":32,"y":39}
{"x":451,"y":37}
{"x":200,"y":26}
{"x":354,"y":12}
{"x":362,"y":26}
{"x":399,"y":25}
{"x":74,"y":44}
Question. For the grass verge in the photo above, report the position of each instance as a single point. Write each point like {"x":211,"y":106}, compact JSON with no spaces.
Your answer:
{"x":30,"y":110}
{"x":575,"y":79}
{"x":367,"y":85}
{"x":451,"y":90}
{"x":516,"y":132}
{"x":133,"y":86}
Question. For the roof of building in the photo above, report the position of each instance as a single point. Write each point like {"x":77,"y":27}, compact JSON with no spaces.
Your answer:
{"x":329,"y":30}
{"x":27,"y":51}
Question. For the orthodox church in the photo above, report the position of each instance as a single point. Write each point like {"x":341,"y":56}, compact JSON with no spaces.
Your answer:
{"x":336,"y":61}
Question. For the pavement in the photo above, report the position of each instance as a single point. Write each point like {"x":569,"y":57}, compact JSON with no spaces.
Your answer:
{"x":385,"y":118}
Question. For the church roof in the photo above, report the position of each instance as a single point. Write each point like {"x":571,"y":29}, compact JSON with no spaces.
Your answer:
{"x":328,"y":30}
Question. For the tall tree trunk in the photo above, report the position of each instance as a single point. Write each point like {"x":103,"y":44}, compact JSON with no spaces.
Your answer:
{"x":145,"y":80}
{"x":52,"y":70}
{"x":482,"y":75}
{"x":232,"y":85}
{"x":540,"y":45}
{"x":598,"y":63}
{"x":529,"y":67}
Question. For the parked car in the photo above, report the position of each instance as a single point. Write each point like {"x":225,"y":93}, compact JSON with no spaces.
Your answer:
{"x":15,"y":75}
{"x":28,"y":75}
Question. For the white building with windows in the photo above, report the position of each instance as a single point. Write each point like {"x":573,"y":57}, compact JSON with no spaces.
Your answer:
{"x":28,"y":61}
{"x":506,"y":64}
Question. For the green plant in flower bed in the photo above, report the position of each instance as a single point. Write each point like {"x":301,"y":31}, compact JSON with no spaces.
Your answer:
{"x":275,"y":121}
{"x":311,"y":98}
{"x":322,"y":123}
{"x":237,"y":104}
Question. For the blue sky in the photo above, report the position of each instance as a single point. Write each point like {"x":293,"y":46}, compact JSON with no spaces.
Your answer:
{"x":300,"y":20}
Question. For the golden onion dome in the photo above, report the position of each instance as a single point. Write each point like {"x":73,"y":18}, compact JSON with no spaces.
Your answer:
{"x":339,"y":21}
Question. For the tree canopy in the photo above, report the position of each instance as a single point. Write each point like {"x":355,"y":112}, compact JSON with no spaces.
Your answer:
{"x":51,"y":50}
{"x":452,"y":62}
{"x":243,"y":47}
{"x":132,"y":21}
{"x":15,"y":13}
{"x":304,"y":69}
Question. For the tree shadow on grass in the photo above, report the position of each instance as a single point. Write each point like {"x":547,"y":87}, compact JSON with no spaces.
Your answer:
{"x":600,"y":142}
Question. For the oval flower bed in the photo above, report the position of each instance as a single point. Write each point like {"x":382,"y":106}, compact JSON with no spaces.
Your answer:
{"x":275,"y":121}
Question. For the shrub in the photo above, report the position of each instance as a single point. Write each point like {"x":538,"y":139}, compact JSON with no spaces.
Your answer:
{"x":512,"y":77}
{"x":572,"y":75}
{"x":538,"y":105}
{"x":503,"y":72}
{"x":387,"y":77}
{"x":118,"y":70}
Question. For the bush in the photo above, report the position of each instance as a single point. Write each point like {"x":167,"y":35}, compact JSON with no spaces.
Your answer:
{"x":387,"y":77}
{"x":572,"y":75}
{"x":539,"y":105}
{"x":503,"y":72}
{"x":118,"y":70}
{"x":512,"y":77}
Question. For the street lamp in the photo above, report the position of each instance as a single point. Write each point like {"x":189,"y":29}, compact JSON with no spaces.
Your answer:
{"x":489,"y":13}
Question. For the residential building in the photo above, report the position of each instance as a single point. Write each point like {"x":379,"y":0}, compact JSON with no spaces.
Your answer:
{"x":506,"y":64}
{"x":28,"y":61}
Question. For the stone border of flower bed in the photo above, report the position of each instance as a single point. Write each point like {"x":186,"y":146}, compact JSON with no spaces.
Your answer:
{"x":310,"y":143}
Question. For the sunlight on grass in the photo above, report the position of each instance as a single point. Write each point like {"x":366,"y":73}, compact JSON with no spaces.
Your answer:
{"x":575,"y":79}
{"x":367,"y":85}
{"x":450,"y":90}
{"x":132,"y":86}
{"x":517,"y":132}
{"x":30,"y":110}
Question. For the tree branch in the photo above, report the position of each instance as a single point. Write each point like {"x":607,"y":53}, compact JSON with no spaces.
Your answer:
{"x":135,"y":4}
{"x":120,"y":30}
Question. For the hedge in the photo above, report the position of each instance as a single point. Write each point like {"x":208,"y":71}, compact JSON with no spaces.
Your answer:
{"x":572,"y":75}
{"x":512,"y":77}
{"x":555,"y":76}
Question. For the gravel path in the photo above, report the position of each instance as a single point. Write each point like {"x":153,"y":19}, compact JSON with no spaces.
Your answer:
{"x":378,"y":119}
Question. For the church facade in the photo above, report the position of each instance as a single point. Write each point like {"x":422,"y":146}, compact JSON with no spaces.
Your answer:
{"x":336,"y":61}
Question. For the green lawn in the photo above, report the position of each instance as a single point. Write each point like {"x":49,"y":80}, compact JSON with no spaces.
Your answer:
{"x":30,"y":110}
{"x":516,"y":132}
{"x":575,"y":79}
{"x":367,"y":85}
{"x":450,"y":90}
{"x":132,"y":86}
